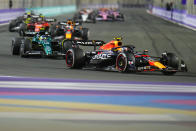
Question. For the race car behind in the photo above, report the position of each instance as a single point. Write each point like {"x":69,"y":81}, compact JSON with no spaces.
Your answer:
{"x":41,"y":44}
{"x":36,"y":24}
{"x":85,"y":15}
{"x":69,"y":30}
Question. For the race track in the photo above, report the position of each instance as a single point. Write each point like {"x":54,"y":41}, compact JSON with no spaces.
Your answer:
{"x":122,"y":93}
{"x":140,"y":29}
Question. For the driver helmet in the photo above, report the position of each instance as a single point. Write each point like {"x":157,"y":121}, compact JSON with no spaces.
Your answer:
{"x":41,"y":16}
{"x":118,"y":41}
{"x":69,"y":22}
{"x":28,"y":14}
{"x":42,"y":37}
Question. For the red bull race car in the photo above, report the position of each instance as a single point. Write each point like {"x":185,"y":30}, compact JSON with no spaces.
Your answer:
{"x":114,"y":56}
{"x":69,"y":30}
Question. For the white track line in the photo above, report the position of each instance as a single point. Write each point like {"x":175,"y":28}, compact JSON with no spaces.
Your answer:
{"x":99,"y":86}
{"x":99,"y":117}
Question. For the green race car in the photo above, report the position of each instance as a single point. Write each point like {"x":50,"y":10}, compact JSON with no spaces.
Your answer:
{"x":41,"y":44}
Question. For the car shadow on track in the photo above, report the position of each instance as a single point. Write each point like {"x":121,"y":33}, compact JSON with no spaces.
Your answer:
{"x":178,"y":74}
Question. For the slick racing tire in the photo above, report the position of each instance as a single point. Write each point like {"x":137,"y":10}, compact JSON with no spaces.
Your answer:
{"x":94,"y":20}
{"x":12,"y":24}
{"x":122,"y":62}
{"x":77,"y":16}
{"x":93,"y":17}
{"x":171,"y":61}
{"x":25,"y":47}
{"x":85,"y":34}
{"x":67,"y":44}
{"x":122,"y":17}
{"x":52,"y":30}
{"x":22,"y":29}
{"x":19,"y":19}
{"x":22,"y":50}
{"x":15,"y":46}
{"x":75,"y":58}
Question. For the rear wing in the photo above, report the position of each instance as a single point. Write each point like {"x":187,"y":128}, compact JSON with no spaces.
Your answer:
{"x":90,"y":42}
{"x":65,"y":23}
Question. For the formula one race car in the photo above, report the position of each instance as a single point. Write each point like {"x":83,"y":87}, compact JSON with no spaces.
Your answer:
{"x":114,"y":56}
{"x":37,"y":23}
{"x":69,"y":30}
{"x":104,"y":15}
{"x":118,"y":16}
{"x":14,"y":25}
{"x":41,"y":44}
{"x":85,"y":15}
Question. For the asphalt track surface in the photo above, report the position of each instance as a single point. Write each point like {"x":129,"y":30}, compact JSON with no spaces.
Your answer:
{"x":140,"y":29}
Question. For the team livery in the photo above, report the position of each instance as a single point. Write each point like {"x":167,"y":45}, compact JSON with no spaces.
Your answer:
{"x":69,"y":30}
{"x":41,"y":44}
{"x":113,"y":55}
{"x":85,"y":15}
{"x":37,"y":23}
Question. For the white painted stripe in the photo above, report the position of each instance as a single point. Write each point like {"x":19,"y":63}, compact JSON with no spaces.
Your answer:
{"x":99,"y":86}
{"x":98,"y":116}
{"x":7,"y":76}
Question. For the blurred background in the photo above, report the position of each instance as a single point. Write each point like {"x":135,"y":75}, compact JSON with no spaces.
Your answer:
{"x":43,"y":92}
{"x":188,"y":5}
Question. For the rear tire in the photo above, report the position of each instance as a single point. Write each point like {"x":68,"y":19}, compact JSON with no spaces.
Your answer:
{"x":15,"y":46}
{"x":75,"y":58}
{"x":22,"y":29}
{"x":123,"y":18}
{"x":85,"y":34}
{"x":67,"y":44}
{"x":93,"y":18}
{"x":52,"y":30}
{"x":12,"y":25}
{"x":122,"y":62}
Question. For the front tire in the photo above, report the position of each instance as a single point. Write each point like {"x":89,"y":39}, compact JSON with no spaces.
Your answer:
{"x":75,"y":58}
{"x":24,"y":48}
{"x":15,"y":46}
{"x":170,"y":60}
{"x":85,"y":34}
{"x":12,"y":25}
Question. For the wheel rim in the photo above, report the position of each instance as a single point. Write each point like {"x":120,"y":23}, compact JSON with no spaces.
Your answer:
{"x":121,"y":63}
{"x":69,"y":58}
